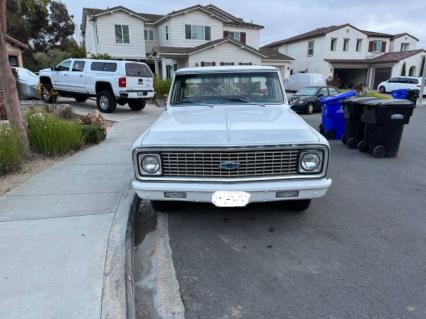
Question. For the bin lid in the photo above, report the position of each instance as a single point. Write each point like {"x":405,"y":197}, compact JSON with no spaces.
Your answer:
{"x":359,"y":99}
{"x":391,"y":103}
{"x":338,"y":97}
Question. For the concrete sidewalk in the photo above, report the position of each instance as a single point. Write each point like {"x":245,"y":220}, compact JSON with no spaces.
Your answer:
{"x":54,"y":230}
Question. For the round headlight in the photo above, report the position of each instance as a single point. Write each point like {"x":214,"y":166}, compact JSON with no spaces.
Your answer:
{"x":310,"y":162}
{"x":150,"y":164}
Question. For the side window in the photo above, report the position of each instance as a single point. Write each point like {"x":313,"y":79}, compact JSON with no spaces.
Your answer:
{"x":333,"y":91}
{"x":64,"y":66}
{"x":413,"y":81}
{"x":104,"y":66}
{"x":323,"y":92}
{"x":393,"y":80}
{"x":110,"y":67}
{"x":78,"y":66}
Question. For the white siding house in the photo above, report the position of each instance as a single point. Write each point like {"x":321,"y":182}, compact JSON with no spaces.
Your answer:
{"x":349,"y":56}
{"x":194,"y":36}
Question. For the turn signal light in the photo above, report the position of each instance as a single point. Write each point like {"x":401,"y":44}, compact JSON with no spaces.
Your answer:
{"x":122,"y":82}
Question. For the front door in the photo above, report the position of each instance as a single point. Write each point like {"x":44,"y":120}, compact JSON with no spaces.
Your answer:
{"x":60,"y":76}
{"x":77,"y":82}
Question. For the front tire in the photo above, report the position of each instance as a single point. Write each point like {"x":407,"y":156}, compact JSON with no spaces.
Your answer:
{"x":382,"y":89}
{"x":48,"y":94}
{"x":106,"y":102}
{"x":309,"y":108}
{"x":137,"y":105}
{"x":298,"y":205}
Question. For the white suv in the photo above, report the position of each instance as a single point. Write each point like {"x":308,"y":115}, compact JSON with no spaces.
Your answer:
{"x":400,"y":82}
{"x":110,"y":81}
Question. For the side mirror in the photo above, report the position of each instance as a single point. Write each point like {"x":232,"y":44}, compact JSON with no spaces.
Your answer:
{"x":320,"y":95}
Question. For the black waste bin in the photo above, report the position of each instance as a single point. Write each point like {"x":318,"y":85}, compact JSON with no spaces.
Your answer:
{"x":413,"y":95}
{"x":354,"y":126}
{"x":384,"y":122}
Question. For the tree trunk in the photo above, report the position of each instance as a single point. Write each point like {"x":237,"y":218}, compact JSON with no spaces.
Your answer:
{"x":8,"y":84}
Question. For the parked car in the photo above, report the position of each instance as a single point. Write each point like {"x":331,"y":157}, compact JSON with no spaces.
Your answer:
{"x":111,"y":82}
{"x":401,"y":82}
{"x":300,"y":80}
{"x":307,"y":100}
{"x":229,"y":137}
{"x":27,"y":84}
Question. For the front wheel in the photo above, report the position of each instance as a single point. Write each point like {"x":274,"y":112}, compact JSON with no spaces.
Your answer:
{"x":137,"y":105}
{"x":382,"y":89}
{"x":106,"y":102}
{"x":298,"y":205}
{"x":310,"y":108}
{"x":48,"y":93}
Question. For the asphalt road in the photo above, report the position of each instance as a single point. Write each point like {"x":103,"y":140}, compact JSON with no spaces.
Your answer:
{"x":359,"y":252}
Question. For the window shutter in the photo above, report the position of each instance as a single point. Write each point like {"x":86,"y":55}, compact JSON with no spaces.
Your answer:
{"x":370,"y":46}
{"x":383,"y":46}
{"x":226,"y":34}
{"x":243,"y":37}
{"x":187,"y":31}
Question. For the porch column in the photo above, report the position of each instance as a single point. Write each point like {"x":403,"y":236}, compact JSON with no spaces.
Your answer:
{"x":156,"y":68}
{"x":163,"y":69}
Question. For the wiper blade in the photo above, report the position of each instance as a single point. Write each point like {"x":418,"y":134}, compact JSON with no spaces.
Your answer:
{"x":195,"y":102}
{"x":245,"y":100}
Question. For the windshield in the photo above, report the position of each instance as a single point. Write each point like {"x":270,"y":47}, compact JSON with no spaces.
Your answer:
{"x":307,"y":91}
{"x":221,"y":88}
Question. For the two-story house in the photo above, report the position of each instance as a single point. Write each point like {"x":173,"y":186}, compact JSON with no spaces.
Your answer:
{"x":351,"y":56}
{"x":190,"y":37}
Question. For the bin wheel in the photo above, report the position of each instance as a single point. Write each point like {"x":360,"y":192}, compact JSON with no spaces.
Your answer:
{"x":379,"y":151}
{"x":362,"y":146}
{"x":329,"y":135}
{"x":344,"y":140}
{"x":352,"y":142}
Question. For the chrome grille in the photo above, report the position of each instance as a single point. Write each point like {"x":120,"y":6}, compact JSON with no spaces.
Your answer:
{"x":251,"y":163}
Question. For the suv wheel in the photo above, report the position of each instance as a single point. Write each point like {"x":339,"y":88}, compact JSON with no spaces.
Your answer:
{"x":310,"y":108}
{"x":106,"y":102}
{"x":137,"y":105}
{"x":48,"y":94}
{"x":382,"y":89}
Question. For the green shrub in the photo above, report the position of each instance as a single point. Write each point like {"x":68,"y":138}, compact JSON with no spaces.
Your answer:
{"x":53,"y":136}
{"x":92,"y":134}
{"x":161,"y":87}
{"x":378,"y":95}
{"x":10,"y":150}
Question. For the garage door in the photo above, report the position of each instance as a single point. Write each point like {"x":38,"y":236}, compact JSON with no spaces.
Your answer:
{"x":380,"y":75}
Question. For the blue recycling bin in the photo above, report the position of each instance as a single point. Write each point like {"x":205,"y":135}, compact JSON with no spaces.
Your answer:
{"x":333,"y":119}
{"x":400,"y":94}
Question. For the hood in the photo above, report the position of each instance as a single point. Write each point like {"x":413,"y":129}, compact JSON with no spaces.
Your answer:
{"x":235,"y":125}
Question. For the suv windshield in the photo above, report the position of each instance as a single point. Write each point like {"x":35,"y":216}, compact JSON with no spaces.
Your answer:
{"x":229,"y":88}
{"x":307,"y":91}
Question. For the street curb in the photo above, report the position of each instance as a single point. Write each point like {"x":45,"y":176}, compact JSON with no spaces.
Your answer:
{"x":118,"y":285}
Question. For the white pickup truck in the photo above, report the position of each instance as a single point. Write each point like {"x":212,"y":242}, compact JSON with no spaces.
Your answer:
{"x":111,"y":82}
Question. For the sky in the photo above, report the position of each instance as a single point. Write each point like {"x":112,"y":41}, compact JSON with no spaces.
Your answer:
{"x":285,"y":18}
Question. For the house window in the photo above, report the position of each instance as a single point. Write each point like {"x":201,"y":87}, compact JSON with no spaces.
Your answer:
{"x":345,"y":44}
{"x":358,"y":45}
{"x":122,"y":33}
{"x":311,"y":48}
{"x":167,"y":32}
{"x":244,"y":63}
{"x":149,"y":35}
{"x":333,"y":44}
{"x":234,"y":35}
{"x":13,"y":60}
{"x":226,"y":63}
{"x":197,"y":32}
{"x":203,"y":63}
{"x":405,"y":46}
{"x":377,"y":46}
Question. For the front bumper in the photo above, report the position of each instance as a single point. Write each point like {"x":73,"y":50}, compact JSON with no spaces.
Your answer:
{"x":142,"y":94}
{"x":264,"y":191}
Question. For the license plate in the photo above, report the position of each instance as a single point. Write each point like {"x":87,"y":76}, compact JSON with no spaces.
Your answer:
{"x":230,"y":199}
{"x":141,"y":93}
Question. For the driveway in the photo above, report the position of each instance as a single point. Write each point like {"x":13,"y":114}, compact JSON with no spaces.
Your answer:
{"x":122,"y":113}
{"x":360,"y":252}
